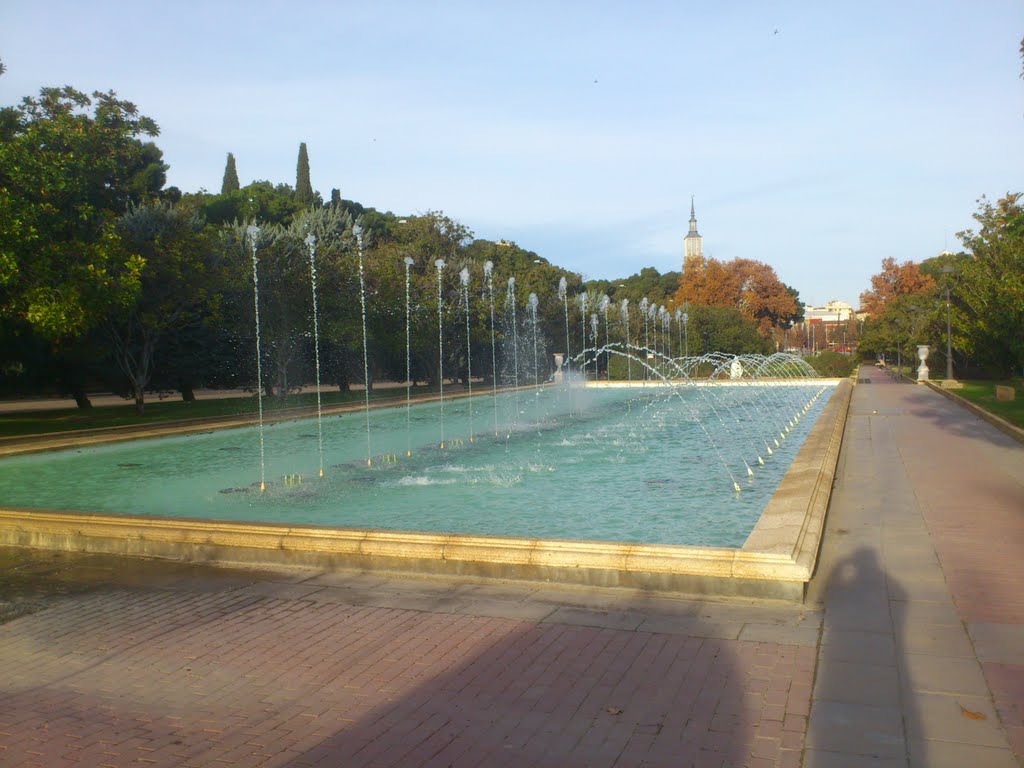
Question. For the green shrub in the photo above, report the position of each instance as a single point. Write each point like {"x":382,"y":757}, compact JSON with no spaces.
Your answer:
{"x":833,"y":364}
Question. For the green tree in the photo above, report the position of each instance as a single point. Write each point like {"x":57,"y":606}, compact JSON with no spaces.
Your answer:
{"x":230,"y":182}
{"x":990,"y":290}
{"x":303,"y":187}
{"x":179,"y":288}
{"x":69,"y":165}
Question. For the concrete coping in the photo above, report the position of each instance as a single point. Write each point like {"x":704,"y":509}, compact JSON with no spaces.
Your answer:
{"x":777,"y":560}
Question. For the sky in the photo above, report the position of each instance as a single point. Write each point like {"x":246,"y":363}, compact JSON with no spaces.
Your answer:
{"x":818,"y":137}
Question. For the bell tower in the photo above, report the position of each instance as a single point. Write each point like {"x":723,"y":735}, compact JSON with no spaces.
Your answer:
{"x":693,"y":250}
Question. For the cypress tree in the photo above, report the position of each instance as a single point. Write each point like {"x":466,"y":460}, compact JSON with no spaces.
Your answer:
{"x":230,"y":183}
{"x":336,"y":198}
{"x":303,"y":188}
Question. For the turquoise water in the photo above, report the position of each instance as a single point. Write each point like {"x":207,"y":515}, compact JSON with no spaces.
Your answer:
{"x":607,"y":464}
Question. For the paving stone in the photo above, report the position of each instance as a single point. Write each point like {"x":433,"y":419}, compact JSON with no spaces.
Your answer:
{"x":692,"y":627}
{"x":507,"y":609}
{"x":863,"y":647}
{"x":936,"y":639}
{"x":962,"y":719}
{"x":856,"y":683}
{"x":929,"y":673}
{"x":856,"y":729}
{"x":283,"y":591}
{"x":946,"y":754}
{"x":776,"y":633}
{"x":1001,"y":643}
{"x":817,"y":758}
{"x":924,"y":612}
{"x":594,"y":618}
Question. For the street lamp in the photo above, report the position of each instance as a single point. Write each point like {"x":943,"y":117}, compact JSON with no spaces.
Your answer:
{"x":948,"y":271}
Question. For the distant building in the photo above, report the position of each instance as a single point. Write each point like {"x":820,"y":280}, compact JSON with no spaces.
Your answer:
{"x":693,"y":248}
{"x":833,"y":312}
{"x":832,"y":327}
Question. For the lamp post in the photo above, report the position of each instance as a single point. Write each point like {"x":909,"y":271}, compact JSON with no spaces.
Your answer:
{"x":948,"y":271}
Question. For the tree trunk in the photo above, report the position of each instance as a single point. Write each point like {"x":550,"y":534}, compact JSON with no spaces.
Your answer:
{"x":140,"y":402}
{"x":81,"y":399}
{"x":186,"y":392}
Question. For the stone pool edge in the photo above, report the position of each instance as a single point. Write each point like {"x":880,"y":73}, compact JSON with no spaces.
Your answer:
{"x":776,"y":561}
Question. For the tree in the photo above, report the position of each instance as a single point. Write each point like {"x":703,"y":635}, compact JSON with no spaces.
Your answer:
{"x":894,"y":280}
{"x":990,"y":291}
{"x":178,"y":288}
{"x":750,"y":286}
{"x":303,"y":187}
{"x":230,"y":183}
{"x":907,"y":320}
{"x":69,"y":165}
{"x":723,"y":329}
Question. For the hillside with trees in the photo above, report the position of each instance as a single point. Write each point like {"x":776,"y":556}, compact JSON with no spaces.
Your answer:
{"x":111,"y":280}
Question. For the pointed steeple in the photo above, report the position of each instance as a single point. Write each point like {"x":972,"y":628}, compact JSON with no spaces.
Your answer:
{"x":693,"y":251}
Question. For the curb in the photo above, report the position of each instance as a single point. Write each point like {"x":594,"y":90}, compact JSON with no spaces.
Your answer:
{"x":999,"y":423}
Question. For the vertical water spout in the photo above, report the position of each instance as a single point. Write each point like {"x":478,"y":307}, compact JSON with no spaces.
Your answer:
{"x":593,"y":335}
{"x":408,"y":364}
{"x":624,"y":308}
{"x":464,"y":277}
{"x":582,"y":299}
{"x":533,"y":301}
{"x":254,"y":232}
{"x":488,"y":269}
{"x":440,"y":345}
{"x":679,"y":330}
{"x":686,"y":330}
{"x":643,"y":313}
{"x":563,"y":294}
{"x":664,"y":316}
{"x":357,"y":230}
{"x":510,"y":300}
{"x":311,"y":245}
{"x":603,"y":306}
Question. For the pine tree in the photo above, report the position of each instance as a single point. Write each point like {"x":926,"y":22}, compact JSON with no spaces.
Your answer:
{"x":230,"y":183}
{"x":336,"y":198}
{"x":303,"y":188}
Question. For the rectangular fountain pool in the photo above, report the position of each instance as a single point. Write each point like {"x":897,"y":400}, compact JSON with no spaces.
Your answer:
{"x":654,"y":465}
{"x":629,"y":443}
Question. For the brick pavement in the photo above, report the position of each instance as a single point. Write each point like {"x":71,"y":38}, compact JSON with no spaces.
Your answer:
{"x":331,"y":671}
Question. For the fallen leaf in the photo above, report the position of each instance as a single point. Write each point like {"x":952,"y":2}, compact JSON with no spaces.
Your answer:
{"x":972,"y":715}
{"x":613,"y":711}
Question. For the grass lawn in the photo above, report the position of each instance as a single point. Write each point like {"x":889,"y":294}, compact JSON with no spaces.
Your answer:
{"x":982,"y":394}
{"x":44,"y":422}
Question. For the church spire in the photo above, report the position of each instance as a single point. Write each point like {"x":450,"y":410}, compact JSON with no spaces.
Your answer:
{"x":693,"y":251}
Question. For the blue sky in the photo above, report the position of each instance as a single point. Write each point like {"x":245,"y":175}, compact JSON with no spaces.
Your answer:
{"x":817,"y":137}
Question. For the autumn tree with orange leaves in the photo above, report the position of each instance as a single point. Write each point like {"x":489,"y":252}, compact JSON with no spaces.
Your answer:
{"x":750,"y":286}
{"x":894,"y":280}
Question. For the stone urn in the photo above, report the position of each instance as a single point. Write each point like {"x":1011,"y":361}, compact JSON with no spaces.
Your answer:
{"x":559,"y":373}
{"x":922,"y":370}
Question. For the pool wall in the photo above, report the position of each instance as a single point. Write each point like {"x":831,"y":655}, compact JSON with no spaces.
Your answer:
{"x":776,"y":561}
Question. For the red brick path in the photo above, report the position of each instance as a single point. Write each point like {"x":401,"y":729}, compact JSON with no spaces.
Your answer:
{"x":168,"y":678}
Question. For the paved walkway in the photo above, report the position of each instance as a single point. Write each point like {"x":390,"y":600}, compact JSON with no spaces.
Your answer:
{"x":922,"y":579}
{"x":908,"y":650}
